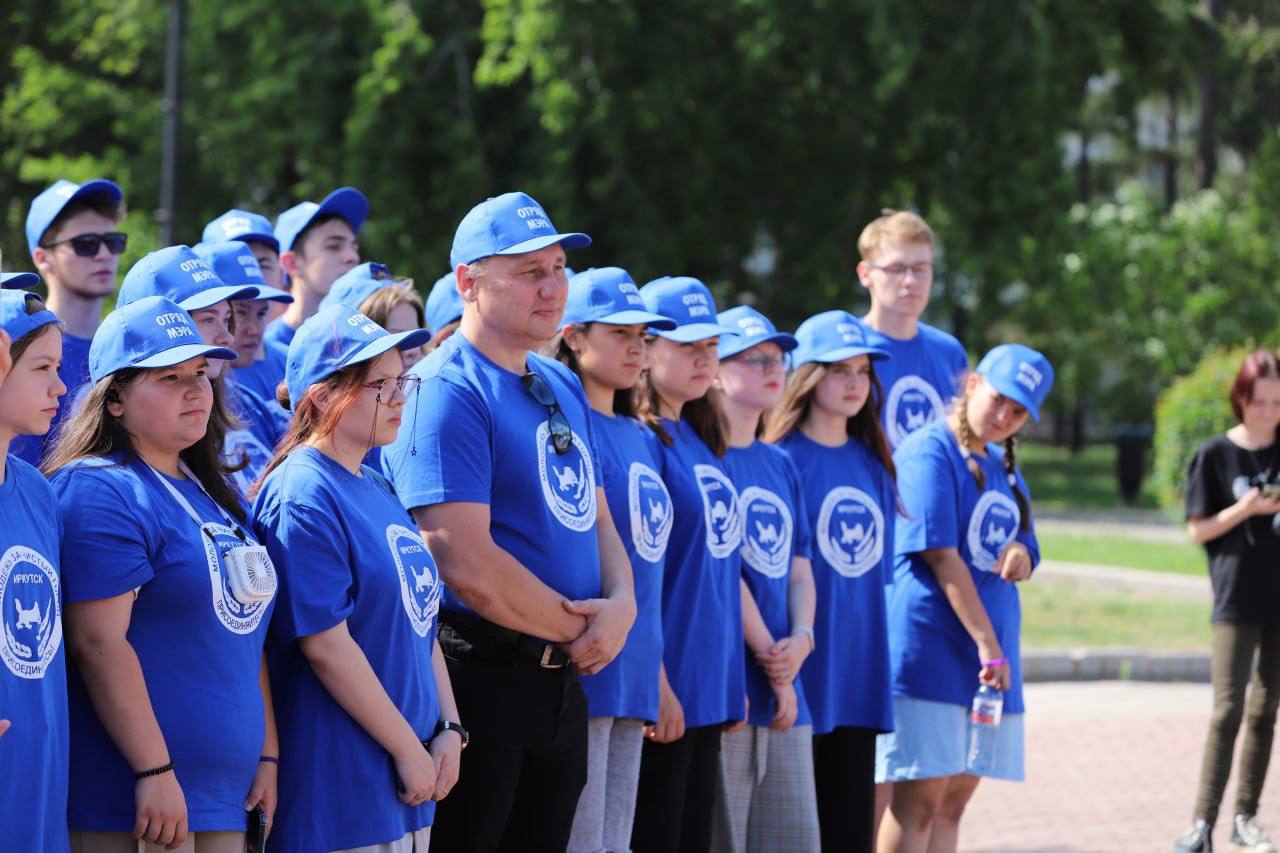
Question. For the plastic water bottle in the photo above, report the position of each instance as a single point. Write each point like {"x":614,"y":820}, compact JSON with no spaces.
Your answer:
{"x":984,"y":729}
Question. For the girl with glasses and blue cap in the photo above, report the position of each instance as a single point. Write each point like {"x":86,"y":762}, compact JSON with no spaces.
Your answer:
{"x":363,"y":692}
{"x":702,"y":687}
{"x":167,"y":603}
{"x":602,"y":340}
{"x":965,"y":538}
{"x":766,"y":797}
{"x":33,"y":681}
{"x":828,"y":423}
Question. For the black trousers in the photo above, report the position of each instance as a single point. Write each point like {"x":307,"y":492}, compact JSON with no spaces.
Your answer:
{"x":677,"y":793}
{"x":844,"y":768}
{"x":527,"y":762}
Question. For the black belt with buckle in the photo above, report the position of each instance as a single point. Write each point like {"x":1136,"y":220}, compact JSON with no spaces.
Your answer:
{"x":521,"y":646}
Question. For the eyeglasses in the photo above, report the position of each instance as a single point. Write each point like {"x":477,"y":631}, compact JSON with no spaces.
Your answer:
{"x":557,"y":423}
{"x":405,"y":383}
{"x":765,"y":363}
{"x":87,"y":245}
{"x":900,"y":270}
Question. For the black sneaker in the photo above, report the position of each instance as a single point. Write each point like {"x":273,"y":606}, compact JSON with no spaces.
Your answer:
{"x":1197,"y":839}
{"x":1247,"y":835}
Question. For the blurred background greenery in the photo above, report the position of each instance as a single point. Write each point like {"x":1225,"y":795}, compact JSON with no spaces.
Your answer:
{"x":1103,"y":177}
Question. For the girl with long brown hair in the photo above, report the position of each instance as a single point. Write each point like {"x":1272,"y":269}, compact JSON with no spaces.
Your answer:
{"x":168,"y":598}
{"x":828,"y":422}
{"x":364,"y":693}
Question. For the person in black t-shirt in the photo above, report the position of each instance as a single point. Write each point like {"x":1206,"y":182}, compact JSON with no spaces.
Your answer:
{"x":1232,"y":501}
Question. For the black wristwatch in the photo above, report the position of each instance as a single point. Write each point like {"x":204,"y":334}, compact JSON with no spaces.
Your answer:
{"x":450,"y":726}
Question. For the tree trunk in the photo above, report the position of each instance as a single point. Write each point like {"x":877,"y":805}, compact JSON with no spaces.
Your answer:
{"x":1170,"y":155}
{"x":1206,"y":136}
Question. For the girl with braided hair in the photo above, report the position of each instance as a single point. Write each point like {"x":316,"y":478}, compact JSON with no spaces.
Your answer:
{"x":965,"y":538}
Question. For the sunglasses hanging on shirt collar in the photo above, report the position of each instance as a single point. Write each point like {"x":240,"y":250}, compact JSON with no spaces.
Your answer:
{"x":557,"y":423}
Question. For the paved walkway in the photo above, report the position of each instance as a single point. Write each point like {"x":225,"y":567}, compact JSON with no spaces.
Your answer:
{"x":1146,"y":527}
{"x":1195,"y":587}
{"x":1111,"y":766}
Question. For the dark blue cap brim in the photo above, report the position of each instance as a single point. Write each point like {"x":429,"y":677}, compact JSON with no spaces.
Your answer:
{"x":386,"y":343}
{"x":691,"y":332}
{"x":186,"y":352}
{"x":572,"y":240}
{"x":270,"y":294}
{"x":214,"y":295}
{"x":741,"y":343}
{"x":631,"y":318}
{"x":268,"y":239}
{"x":347,"y":202}
{"x":1018,"y":395}
{"x":19,"y":280}
{"x":832,"y":356}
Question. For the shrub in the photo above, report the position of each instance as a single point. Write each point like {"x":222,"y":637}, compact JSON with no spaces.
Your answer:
{"x":1190,"y":411}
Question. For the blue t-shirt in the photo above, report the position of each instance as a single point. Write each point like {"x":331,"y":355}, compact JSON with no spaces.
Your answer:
{"x":641,"y":510}
{"x":33,"y":679}
{"x":200,"y":649}
{"x":345,"y":549}
{"x":933,"y":656}
{"x":919,"y":378}
{"x":264,"y":376}
{"x":276,"y":338}
{"x":851,"y":502}
{"x":775,"y":529}
{"x":701,"y":597}
{"x":262,"y":425}
{"x":473,"y":434}
{"x":74,"y":373}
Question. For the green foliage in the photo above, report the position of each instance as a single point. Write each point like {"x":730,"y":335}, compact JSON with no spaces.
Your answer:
{"x":1192,"y":409}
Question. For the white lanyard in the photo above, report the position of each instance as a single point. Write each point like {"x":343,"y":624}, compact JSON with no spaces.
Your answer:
{"x":185,"y":504}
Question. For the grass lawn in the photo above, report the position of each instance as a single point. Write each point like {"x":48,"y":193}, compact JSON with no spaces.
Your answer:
{"x":1184,"y":558}
{"x":1063,"y":614}
{"x":1087,"y":481}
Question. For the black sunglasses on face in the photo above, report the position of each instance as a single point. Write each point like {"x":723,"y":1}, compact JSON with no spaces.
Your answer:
{"x":86,"y":245}
{"x":557,"y":423}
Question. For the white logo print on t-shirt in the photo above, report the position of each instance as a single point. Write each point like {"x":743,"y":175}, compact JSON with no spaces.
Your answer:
{"x":993,"y":523}
{"x":720,"y":510}
{"x":568,"y":480}
{"x":32,"y":612}
{"x":850,"y":531}
{"x":419,"y":581}
{"x":766,"y":532}
{"x":651,"y":515}
{"x":910,"y":405}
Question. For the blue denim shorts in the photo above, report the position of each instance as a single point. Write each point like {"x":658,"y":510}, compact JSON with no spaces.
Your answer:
{"x":932,"y":740}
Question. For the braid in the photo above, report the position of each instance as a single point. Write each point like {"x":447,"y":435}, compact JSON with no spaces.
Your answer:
{"x":966,"y":435}
{"x":1010,"y":467}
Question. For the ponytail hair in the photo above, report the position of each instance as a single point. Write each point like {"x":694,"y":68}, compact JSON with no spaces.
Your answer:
{"x":965,"y":435}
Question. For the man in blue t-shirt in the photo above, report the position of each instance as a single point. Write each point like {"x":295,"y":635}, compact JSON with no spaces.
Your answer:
{"x":496,"y":463}
{"x":75,"y":245}
{"x":925,"y":365}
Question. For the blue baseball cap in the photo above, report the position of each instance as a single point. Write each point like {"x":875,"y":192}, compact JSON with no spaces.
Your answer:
{"x":14,"y":318}
{"x":19,"y":280}
{"x":177,"y":273}
{"x":357,"y":284}
{"x":509,"y":224}
{"x":750,"y":328}
{"x":335,"y":337}
{"x":1019,"y":373}
{"x":47,"y":206}
{"x":233,"y":262}
{"x":689,"y":303}
{"x":609,"y":295}
{"x":346,"y":202}
{"x":150,"y":332}
{"x":241,"y":225}
{"x":444,"y":303}
{"x":833,"y":336}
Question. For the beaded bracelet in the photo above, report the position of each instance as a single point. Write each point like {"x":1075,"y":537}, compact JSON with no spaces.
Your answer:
{"x":154,"y":771}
